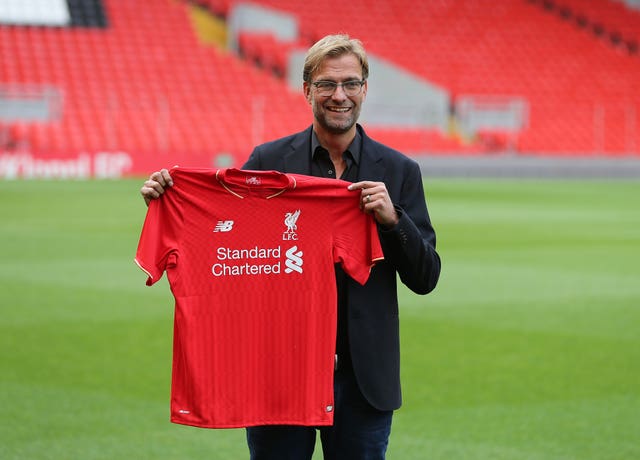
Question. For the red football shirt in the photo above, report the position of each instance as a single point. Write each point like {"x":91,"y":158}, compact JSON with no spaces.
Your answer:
{"x":250,"y":260}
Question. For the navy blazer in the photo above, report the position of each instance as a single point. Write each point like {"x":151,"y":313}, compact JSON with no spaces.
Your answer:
{"x":409,"y":250}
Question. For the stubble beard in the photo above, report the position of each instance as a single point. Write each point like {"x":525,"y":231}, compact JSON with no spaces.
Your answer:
{"x":332,"y":126}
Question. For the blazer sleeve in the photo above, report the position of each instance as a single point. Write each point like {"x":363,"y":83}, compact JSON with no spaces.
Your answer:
{"x":411,"y":244}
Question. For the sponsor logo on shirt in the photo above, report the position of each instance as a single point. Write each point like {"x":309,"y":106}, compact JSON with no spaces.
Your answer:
{"x":294,"y":260}
{"x":256,"y":261}
{"x":223,"y":226}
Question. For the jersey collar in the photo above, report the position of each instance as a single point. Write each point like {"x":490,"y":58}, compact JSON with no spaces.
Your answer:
{"x":241,"y":183}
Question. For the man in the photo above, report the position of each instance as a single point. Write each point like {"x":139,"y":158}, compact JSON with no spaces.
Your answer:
{"x":367,"y":376}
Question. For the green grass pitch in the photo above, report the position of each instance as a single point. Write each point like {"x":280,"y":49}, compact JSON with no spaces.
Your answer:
{"x":529,"y":349}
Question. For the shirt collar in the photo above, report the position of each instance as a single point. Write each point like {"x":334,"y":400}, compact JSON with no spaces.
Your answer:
{"x":354,"y":148}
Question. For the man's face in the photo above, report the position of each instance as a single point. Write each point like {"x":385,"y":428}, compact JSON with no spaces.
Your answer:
{"x":337,"y":113}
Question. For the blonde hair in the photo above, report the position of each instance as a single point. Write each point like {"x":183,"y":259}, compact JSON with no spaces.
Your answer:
{"x":334,"y":46}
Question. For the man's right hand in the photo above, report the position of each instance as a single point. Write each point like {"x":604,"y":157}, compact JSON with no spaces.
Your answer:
{"x":155,"y":186}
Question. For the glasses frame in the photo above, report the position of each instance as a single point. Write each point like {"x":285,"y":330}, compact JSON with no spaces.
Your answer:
{"x":334,"y":85}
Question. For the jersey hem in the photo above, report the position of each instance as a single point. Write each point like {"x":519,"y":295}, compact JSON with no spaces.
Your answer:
{"x":213,"y":426}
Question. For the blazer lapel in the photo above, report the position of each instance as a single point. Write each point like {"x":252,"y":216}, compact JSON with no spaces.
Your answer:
{"x":371,"y":160}
{"x":298,"y":159}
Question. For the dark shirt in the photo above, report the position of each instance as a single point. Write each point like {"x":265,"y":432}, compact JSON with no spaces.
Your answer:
{"x":322,"y":166}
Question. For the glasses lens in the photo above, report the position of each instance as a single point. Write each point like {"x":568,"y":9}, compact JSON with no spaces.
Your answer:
{"x":326,"y":88}
{"x":352,"y":88}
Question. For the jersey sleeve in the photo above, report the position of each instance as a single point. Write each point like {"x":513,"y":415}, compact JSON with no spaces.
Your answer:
{"x":158,"y":245}
{"x":356,"y":243}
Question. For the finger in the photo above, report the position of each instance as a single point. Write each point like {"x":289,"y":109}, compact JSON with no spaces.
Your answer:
{"x":151,"y":190}
{"x":154,"y":186}
{"x":161,"y":177}
{"x":361,"y":185}
{"x":368,"y":203}
{"x":167,"y":177}
{"x":148,"y":193}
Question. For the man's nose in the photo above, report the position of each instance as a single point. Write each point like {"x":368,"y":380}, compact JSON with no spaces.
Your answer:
{"x":339,"y":93}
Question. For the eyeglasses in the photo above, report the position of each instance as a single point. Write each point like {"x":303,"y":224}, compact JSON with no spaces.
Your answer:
{"x":327,"y":88}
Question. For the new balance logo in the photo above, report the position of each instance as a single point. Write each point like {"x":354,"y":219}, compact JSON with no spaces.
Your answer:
{"x":294,"y":260}
{"x":223,"y":226}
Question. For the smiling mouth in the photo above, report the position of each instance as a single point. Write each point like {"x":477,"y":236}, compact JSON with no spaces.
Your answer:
{"x":338,"y":109}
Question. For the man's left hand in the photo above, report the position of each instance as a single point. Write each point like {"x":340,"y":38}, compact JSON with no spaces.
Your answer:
{"x":374,"y":199}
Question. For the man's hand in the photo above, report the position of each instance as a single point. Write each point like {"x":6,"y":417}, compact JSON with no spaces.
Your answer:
{"x":155,"y":186}
{"x":375,"y":199}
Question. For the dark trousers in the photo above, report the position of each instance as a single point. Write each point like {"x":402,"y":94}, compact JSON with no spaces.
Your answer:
{"x":359,"y":431}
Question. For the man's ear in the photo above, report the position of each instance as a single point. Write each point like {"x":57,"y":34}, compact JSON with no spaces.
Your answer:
{"x":306,"y":88}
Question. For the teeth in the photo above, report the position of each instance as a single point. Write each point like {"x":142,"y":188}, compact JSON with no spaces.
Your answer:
{"x":339,"y":109}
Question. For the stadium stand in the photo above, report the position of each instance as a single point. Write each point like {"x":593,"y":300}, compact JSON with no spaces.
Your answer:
{"x":146,"y":86}
{"x":134,"y":78}
{"x":611,"y":21}
{"x":581,"y":92}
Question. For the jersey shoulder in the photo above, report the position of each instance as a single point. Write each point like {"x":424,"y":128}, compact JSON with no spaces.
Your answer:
{"x":321,"y":186}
